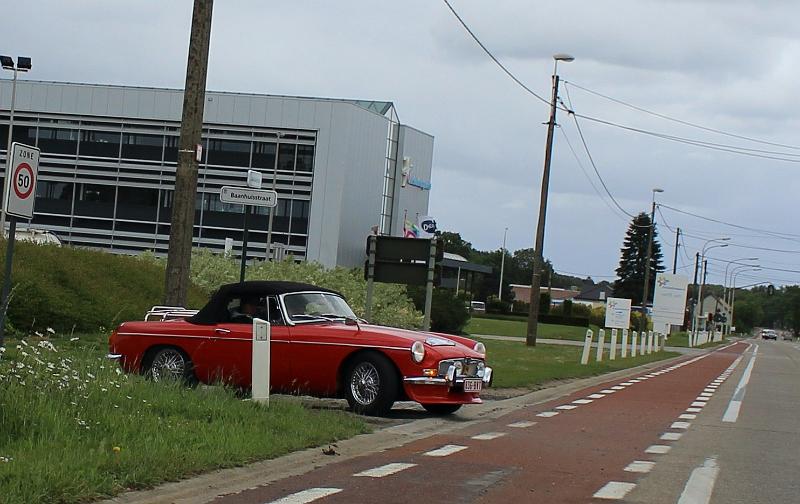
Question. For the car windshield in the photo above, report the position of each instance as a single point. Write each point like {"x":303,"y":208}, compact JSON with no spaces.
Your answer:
{"x":310,"y":306}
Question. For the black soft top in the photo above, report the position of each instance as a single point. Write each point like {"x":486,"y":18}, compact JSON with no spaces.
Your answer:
{"x":217,"y":307}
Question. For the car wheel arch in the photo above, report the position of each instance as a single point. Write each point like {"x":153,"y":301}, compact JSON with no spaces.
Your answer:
{"x":352,"y":358}
{"x":149,"y":354}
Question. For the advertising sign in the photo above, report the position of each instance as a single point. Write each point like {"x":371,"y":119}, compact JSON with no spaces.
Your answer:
{"x":618,"y":313}
{"x":427,"y":226}
{"x":669,"y":299}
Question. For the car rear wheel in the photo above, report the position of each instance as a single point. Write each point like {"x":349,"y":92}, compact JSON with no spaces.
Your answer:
{"x":371,"y":386}
{"x":170,"y":364}
{"x":442,"y":409}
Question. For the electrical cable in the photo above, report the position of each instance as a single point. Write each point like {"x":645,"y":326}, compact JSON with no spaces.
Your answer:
{"x":680,"y":121}
{"x":776,"y":234}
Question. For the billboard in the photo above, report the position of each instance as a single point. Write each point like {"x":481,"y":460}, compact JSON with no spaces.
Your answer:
{"x":669,"y":300}
{"x":618,"y":313}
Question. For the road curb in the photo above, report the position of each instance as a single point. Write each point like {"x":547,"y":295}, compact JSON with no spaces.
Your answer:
{"x":206,"y":487}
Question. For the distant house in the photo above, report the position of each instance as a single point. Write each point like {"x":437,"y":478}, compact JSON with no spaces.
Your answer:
{"x":712,"y":305}
{"x":595,"y":295}
{"x":557,"y":296}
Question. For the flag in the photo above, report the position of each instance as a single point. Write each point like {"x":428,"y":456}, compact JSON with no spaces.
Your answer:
{"x":410,"y":230}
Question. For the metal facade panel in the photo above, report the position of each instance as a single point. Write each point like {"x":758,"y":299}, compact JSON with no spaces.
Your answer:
{"x":130,"y":102}
{"x":410,"y":199}
{"x":225,"y":104}
{"x":290,"y":113}
{"x":54,"y":97}
{"x":116,"y":97}
{"x":306,"y":114}
{"x":147,"y":104}
{"x":99,"y":101}
{"x":241,"y":109}
{"x":257,"y":114}
{"x":163,"y":105}
{"x":38,"y":97}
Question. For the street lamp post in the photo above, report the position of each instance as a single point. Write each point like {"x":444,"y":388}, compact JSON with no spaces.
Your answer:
{"x":23,"y":65}
{"x":538,"y":255}
{"x":734,"y":276}
{"x":646,"y":289}
{"x":725,"y":285}
{"x":502,"y":266}
{"x":703,"y":261}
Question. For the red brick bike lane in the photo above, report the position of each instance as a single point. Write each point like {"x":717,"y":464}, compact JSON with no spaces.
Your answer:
{"x":558,"y":451}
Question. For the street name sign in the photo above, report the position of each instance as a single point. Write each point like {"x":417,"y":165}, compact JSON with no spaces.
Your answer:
{"x":21,"y":187}
{"x":248,"y":196}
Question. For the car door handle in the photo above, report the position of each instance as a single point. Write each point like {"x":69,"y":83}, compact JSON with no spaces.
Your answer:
{"x":222,"y":331}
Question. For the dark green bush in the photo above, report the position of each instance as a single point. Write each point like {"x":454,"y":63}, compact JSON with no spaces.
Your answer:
{"x":449,"y":313}
{"x":494,"y":305}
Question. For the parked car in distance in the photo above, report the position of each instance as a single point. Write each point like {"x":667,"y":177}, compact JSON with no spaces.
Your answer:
{"x":477,"y":306}
{"x":318,"y":347}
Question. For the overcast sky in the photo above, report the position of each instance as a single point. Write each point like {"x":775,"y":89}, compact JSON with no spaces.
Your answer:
{"x":729,"y":65}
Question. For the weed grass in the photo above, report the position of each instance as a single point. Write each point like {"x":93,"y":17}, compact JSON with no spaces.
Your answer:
{"x":496,"y":327}
{"x":73,"y":428}
{"x":681,"y":339}
{"x":518,"y":365}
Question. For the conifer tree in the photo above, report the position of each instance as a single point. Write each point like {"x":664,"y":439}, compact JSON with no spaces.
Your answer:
{"x":630,"y":281}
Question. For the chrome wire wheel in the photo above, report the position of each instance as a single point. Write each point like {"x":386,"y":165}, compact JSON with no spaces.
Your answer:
{"x":365,"y":383}
{"x":168,"y":364}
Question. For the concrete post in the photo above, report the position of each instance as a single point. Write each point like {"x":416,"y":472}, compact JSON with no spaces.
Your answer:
{"x":624,"y":349}
{"x":261,"y":361}
{"x":587,"y":347}
{"x":601,"y":343}
{"x":634,"y":344}
{"x":612,"y":355}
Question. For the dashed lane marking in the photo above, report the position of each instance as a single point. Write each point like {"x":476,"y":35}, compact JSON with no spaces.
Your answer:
{"x":614,"y":490}
{"x":687,"y":416}
{"x":489,"y":436}
{"x":658,"y":449}
{"x":547,"y":414}
{"x":694,"y":410}
{"x":524,"y":425}
{"x":671,"y":436}
{"x":680,"y":425}
{"x":698,"y":404}
{"x":706,"y":394}
{"x":700,"y":486}
{"x":732,"y":413}
{"x":582,"y":401}
{"x":617,"y":387}
{"x":640,"y":466}
{"x":385,"y":470}
{"x":566,"y":407}
{"x":305,"y":496}
{"x":596,"y":396}
{"x":445,"y":451}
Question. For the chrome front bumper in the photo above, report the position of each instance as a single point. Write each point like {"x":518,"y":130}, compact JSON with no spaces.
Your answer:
{"x":450,"y":379}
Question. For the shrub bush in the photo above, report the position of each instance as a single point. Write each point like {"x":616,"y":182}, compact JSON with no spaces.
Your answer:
{"x":562,"y":320}
{"x":449,"y":313}
{"x":598,"y":316}
{"x":494,"y":305}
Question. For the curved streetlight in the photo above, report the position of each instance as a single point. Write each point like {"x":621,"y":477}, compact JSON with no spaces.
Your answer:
{"x":703,"y":263}
{"x":734,"y":275}
{"x":538,"y":253}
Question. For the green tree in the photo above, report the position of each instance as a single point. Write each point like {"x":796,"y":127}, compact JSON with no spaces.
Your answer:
{"x":454,"y":244}
{"x":632,"y":264}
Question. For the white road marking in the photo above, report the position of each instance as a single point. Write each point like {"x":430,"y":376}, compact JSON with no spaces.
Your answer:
{"x":582,"y":401}
{"x":617,"y":387}
{"x":710,"y":390}
{"x":702,"y":399}
{"x":640,"y":466}
{"x":566,"y":407}
{"x":614,"y":490}
{"x":386,"y":470}
{"x":698,"y":404}
{"x":526,"y":424}
{"x":671,"y":436}
{"x":489,"y":436}
{"x":596,"y":396}
{"x":626,"y":384}
{"x":687,"y":416}
{"x":694,"y":410}
{"x":305,"y":496}
{"x":547,"y":414}
{"x":445,"y":450}
{"x":700,"y":486}
{"x":680,"y":425}
{"x":706,"y":394}
{"x":607,"y":391}
{"x":659,"y":449}
{"x":732,"y":413}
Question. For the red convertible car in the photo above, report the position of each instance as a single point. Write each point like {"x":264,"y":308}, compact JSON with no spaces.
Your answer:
{"x":318,"y":347}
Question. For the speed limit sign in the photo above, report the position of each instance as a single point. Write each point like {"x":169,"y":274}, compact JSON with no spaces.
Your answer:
{"x":21,"y":185}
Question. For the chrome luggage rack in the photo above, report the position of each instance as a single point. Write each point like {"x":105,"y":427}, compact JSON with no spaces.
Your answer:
{"x":161,"y":313}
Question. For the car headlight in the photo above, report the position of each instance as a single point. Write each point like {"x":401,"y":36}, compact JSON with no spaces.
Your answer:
{"x":459,"y":367}
{"x":418,"y":351}
{"x":480,"y":348}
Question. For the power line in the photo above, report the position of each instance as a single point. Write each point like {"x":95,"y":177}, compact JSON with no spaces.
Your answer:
{"x":680,"y":121}
{"x":776,"y":234}
{"x":492,"y":56}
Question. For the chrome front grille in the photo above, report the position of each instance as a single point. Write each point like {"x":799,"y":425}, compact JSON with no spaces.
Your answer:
{"x":470,"y":367}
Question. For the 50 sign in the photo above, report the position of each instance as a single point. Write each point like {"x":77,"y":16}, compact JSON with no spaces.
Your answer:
{"x":24,"y":171}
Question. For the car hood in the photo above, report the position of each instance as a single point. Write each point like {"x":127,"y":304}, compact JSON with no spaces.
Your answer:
{"x":446,"y":345}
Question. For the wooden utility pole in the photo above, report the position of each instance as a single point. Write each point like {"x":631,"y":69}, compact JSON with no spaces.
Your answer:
{"x":183,"y":204}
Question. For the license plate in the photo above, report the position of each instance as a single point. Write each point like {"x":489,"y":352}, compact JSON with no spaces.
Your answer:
{"x":472,"y":385}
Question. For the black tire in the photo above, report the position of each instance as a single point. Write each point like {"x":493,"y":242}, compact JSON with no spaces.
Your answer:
{"x":170,"y":365}
{"x":442,"y":409}
{"x":371,"y":385}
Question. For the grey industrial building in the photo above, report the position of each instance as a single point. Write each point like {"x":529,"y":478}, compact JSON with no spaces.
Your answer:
{"x":108,"y":157}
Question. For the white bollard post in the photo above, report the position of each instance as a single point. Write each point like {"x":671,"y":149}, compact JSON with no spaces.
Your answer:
{"x":612,"y":354}
{"x":601,"y":343}
{"x":634,"y":344}
{"x":690,"y":335}
{"x":587,"y":347}
{"x":261,"y":359}
{"x":656,"y":338}
{"x":649,"y":342}
{"x":642,"y":342}
{"x":624,"y":350}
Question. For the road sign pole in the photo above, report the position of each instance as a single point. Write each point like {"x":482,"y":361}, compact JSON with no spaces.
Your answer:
{"x":426,"y":324}
{"x":12,"y":229}
{"x":244,"y":243}
{"x":370,"y":278}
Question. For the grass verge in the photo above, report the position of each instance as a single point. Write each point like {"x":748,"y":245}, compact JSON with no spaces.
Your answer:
{"x":500,"y":327}
{"x":74,"y":429}
{"x":681,"y":339}
{"x":517,"y":365}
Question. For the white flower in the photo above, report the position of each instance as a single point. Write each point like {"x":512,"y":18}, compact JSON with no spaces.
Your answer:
{"x":51,"y":330}
{"x":5,"y":460}
{"x":37,"y":333}
{"x":47,"y":345}
{"x":103,"y":389}
{"x":90,"y":375}
{"x":74,"y":339}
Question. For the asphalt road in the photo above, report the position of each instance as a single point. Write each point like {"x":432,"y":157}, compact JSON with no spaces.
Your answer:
{"x":717,"y":427}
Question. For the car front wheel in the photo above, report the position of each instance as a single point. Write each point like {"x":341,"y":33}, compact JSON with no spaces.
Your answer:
{"x":441,"y":409}
{"x":170,"y":365}
{"x":371,"y":386}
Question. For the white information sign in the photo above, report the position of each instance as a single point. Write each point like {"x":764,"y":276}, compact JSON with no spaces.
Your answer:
{"x":669,"y":299}
{"x":21,"y":186}
{"x":248,"y":196}
{"x":254,"y":179}
{"x":618,"y":313}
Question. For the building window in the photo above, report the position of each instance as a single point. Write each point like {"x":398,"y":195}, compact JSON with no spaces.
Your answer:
{"x":95,"y":200}
{"x":137,"y":203}
{"x":264,"y":155}
{"x":286,"y":154}
{"x":138,"y":146}
{"x":58,"y":141}
{"x":53,"y":190}
{"x":228,"y":152}
{"x":100,"y":143}
{"x":305,"y":158}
